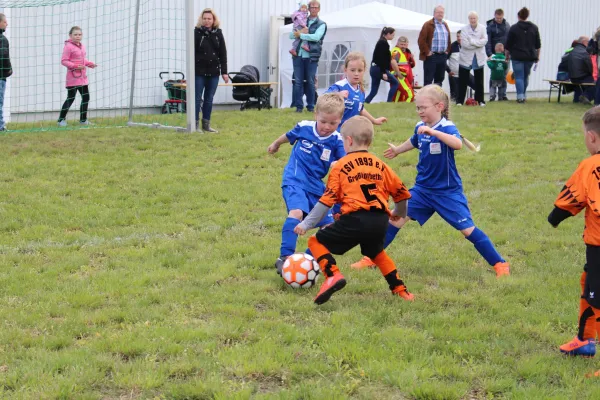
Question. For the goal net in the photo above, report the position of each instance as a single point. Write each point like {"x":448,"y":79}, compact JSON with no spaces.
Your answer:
{"x":135,"y":63}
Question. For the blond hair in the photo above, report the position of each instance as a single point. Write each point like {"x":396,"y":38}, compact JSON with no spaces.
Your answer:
{"x":591,"y":120}
{"x":216,"y":21}
{"x":438,"y":95}
{"x":360,"y":129}
{"x":2,"y":17}
{"x":357,"y":56}
{"x":331,"y":103}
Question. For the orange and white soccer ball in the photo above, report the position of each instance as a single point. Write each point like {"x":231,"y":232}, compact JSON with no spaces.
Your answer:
{"x":300,"y":270}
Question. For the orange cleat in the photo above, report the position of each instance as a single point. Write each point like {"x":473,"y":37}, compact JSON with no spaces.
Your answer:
{"x":576,"y":347}
{"x":364,"y":262}
{"x":329,"y":287}
{"x":403,"y":292}
{"x":502,"y":269}
{"x":593,"y":374}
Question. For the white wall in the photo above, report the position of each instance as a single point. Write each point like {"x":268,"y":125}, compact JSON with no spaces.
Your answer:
{"x":37,"y":35}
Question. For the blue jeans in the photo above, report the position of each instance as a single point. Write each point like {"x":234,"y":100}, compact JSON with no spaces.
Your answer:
{"x":2,"y":90}
{"x":376,"y":74}
{"x":208,"y":85}
{"x":304,"y":70}
{"x":521,"y":71}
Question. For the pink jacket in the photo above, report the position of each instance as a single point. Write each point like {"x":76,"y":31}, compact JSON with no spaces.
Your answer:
{"x":74,"y":56}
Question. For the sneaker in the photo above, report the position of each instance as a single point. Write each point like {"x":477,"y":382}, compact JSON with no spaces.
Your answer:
{"x":576,"y":347}
{"x":593,"y":374}
{"x":504,"y":98}
{"x":584,"y":100}
{"x":62,"y":123}
{"x":298,"y":110}
{"x":520,"y":101}
{"x":279,"y":264}
{"x":492,"y":98}
{"x":482,"y":104}
{"x":364,"y":262}
{"x":502,"y":269}
{"x":85,"y":123}
{"x":458,"y":104}
{"x":403,"y":292}
{"x":329,"y":287}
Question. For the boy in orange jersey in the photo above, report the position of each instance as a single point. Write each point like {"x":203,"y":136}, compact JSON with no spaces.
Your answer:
{"x":582,"y":191}
{"x":362,"y":183}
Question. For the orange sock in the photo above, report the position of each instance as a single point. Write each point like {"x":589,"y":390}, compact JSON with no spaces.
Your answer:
{"x":388,"y":270}
{"x":323,"y":256}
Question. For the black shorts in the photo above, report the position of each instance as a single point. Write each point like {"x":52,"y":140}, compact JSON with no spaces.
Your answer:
{"x":364,"y":228}
{"x":591,"y":290}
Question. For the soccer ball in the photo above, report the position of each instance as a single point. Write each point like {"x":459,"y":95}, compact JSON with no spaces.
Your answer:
{"x":300,"y":270}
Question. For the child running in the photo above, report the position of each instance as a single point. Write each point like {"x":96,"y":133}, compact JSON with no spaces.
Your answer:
{"x":438,"y":187}
{"x":352,"y":87}
{"x":362,"y":183}
{"x":582,"y":191}
{"x":317,"y":145}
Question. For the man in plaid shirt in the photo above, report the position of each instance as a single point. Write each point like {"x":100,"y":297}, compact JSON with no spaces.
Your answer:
{"x":434,"y":46}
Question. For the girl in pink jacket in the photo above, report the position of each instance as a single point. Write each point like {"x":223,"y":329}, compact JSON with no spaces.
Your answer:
{"x":73,"y":58}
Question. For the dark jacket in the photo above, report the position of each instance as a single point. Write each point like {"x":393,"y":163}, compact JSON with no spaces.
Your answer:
{"x":497,"y":33}
{"x":210,"y":52}
{"x":580,"y":63}
{"x":523,"y":41}
{"x":5,"y":66}
{"x":426,"y":39}
{"x":382,"y":56}
{"x":315,"y":47}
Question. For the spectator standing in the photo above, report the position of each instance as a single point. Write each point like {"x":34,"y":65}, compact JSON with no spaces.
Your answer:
{"x":593,"y":49}
{"x":523,"y":45}
{"x":5,"y":67}
{"x":472,"y":56}
{"x":497,"y":31}
{"x":434,"y":47}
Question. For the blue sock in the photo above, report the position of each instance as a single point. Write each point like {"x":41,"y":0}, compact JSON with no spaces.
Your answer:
{"x":288,"y":237}
{"x":484,"y":246}
{"x":391,"y":233}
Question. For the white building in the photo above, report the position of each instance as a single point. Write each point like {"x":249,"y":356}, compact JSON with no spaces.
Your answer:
{"x":37,"y":34}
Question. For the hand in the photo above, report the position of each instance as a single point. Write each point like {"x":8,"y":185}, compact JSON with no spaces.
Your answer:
{"x":79,"y":67}
{"x":430,"y":54}
{"x":379,"y":121}
{"x":336,"y":216}
{"x":297,"y":34}
{"x":273,"y":148}
{"x":298,"y":230}
{"x":391,"y":152}
{"x":394,"y":215}
{"x":344,"y":93}
{"x":304,"y":30}
{"x":425,"y":130}
{"x":225,"y":78}
{"x":92,"y":65}
{"x":451,"y":73}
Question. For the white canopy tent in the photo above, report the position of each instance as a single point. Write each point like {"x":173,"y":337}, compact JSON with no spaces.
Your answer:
{"x":355,"y":29}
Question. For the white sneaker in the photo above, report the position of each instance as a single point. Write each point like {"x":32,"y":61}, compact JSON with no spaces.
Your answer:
{"x":86,"y":123}
{"x":459,"y":105}
{"x":482,"y":105}
{"x":62,"y":123}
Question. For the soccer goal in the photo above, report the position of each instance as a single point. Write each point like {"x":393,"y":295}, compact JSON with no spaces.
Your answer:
{"x":139,"y":58}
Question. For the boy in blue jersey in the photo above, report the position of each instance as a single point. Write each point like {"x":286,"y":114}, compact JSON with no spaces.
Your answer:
{"x":352,"y":88}
{"x":317,"y":145}
{"x":438,"y":187}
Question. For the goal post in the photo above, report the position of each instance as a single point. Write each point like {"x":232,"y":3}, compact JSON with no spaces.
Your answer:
{"x":143,"y":50}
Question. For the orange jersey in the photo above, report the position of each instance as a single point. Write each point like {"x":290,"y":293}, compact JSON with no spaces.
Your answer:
{"x":582,"y":190}
{"x":361,"y":181}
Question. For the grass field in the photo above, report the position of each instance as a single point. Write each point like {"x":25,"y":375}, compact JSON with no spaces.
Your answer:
{"x":138,"y":264}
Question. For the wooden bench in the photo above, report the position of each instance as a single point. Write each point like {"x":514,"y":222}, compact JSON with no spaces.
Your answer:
{"x":554,"y":84}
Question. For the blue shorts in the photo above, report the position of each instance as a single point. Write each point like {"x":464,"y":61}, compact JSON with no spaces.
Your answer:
{"x":297,"y":198}
{"x":451,"y":206}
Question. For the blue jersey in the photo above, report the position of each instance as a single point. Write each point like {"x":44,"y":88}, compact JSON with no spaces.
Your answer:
{"x":436,"y":168}
{"x":355,"y":101}
{"x":311,"y":157}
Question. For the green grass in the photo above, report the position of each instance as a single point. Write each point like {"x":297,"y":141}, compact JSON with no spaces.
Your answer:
{"x":138,"y":263}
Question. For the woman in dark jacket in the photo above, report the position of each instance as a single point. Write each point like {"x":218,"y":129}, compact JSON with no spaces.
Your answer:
{"x":381,"y":64}
{"x":523,"y":43}
{"x":211,"y":61}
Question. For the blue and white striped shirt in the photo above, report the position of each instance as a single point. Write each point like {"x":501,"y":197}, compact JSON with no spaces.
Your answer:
{"x":440,"y":37}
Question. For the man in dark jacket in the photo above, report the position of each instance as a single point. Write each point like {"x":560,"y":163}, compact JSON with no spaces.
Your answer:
{"x":581,"y":70}
{"x":434,"y":45}
{"x":497,"y":31}
{"x":5,"y":66}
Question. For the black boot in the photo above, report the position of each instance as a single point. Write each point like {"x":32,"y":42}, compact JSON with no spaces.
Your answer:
{"x":206,"y":126}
